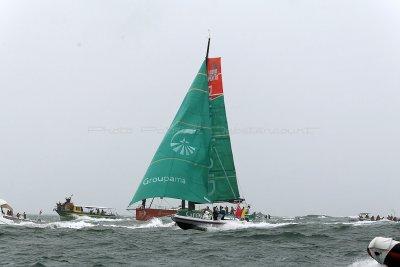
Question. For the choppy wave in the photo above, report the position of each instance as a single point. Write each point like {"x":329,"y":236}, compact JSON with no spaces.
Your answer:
{"x":5,"y":221}
{"x":238,"y":225}
{"x":277,"y":241}
{"x":86,"y":222}
{"x":362,"y":223}
{"x":54,"y":225}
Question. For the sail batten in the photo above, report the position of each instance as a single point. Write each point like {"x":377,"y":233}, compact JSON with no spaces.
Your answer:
{"x":178,"y":159}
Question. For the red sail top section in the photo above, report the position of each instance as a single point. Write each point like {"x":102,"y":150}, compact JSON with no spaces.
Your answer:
{"x":214,"y":77}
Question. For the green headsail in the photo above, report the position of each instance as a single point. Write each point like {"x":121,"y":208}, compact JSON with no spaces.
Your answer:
{"x":181,"y":165}
{"x":222,"y":180}
{"x":222,"y":175}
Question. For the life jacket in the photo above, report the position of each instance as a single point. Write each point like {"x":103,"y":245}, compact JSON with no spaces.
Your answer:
{"x":244,"y":212}
{"x":238,"y":212}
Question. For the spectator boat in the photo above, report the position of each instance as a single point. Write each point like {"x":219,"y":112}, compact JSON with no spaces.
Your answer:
{"x":7,"y":212}
{"x":69,"y":211}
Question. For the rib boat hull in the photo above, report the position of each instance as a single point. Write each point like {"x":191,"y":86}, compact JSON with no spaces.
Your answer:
{"x":186,"y":223}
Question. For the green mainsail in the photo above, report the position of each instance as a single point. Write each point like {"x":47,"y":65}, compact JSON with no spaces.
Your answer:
{"x":194,"y":161}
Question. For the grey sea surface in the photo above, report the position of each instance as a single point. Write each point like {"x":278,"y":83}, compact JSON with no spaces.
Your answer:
{"x":313,"y":240}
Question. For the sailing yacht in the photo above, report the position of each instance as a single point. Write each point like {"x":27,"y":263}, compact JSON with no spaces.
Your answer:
{"x":194,"y":162}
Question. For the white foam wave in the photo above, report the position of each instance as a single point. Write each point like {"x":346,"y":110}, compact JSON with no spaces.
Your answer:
{"x":5,"y":221}
{"x":91,"y":219}
{"x":153,"y":223}
{"x":55,"y":225}
{"x":361,"y":223}
{"x":238,"y":225}
{"x":71,"y":224}
{"x":365,"y":263}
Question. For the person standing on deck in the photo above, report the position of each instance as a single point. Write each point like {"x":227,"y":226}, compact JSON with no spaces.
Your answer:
{"x":238,"y":212}
{"x":215,"y":213}
{"x":245,"y":212}
{"x":222,"y":212}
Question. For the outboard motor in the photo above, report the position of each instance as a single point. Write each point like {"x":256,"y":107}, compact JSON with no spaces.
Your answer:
{"x":385,"y":251}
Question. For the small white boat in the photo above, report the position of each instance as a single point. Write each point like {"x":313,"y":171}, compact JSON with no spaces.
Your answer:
{"x":187,"y":222}
{"x":202,"y":220}
{"x":7,"y":211}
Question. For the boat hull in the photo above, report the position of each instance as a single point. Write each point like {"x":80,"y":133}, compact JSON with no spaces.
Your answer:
{"x":186,"y":223}
{"x":12,"y":218}
{"x":70,"y":215}
{"x":148,"y":213}
{"x":385,"y":251}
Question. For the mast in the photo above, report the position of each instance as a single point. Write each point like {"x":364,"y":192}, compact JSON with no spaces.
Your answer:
{"x":191,"y":205}
{"x":208,"y":50}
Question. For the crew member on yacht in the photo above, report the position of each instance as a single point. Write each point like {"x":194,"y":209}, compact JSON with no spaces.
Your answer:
{"x":232,"y":212}
{"x":238,"y":213}
{"x":245,"y":212}
{"x":215,"y":213}
{"x":222,"y":212}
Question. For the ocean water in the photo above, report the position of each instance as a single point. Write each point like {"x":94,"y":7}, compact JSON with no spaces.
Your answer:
{"x":300,"y":241}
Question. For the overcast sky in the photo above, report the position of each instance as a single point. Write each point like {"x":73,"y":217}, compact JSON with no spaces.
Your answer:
{"x":311,"y":88}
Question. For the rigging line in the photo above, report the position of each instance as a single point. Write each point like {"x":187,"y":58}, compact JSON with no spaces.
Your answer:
{"x":226,"y":175}
{"x":151,"y":202}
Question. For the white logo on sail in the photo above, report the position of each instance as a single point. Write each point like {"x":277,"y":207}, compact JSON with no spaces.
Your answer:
{"x":180,"y":144}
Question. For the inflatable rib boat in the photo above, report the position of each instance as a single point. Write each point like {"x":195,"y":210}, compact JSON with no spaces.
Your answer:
{"x":385,"y":251}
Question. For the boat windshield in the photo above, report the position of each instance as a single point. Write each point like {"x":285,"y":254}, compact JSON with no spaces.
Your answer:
{"x":6,"y":208}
